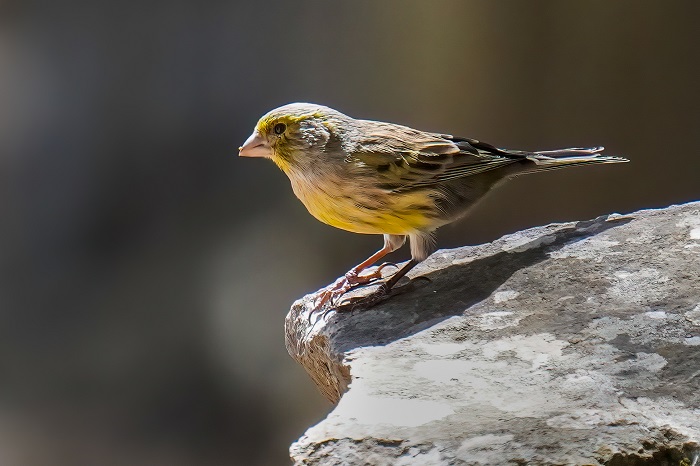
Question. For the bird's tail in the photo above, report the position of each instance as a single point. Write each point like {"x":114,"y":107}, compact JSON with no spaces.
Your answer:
{"x":553,"y":159}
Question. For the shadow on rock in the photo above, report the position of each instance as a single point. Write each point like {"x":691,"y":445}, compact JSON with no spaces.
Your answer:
{"x":453,"y":290}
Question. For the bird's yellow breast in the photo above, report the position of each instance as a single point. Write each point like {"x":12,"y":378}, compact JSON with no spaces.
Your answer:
{"x":358,"y":209}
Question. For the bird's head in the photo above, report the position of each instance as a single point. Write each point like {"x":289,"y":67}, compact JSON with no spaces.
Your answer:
{"x":293,"y":134}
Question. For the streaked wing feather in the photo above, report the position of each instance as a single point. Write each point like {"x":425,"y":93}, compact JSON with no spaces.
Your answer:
{"x":409,"y":158}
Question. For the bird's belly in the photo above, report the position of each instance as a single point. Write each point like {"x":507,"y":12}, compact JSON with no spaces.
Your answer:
{"x":363,"y":212}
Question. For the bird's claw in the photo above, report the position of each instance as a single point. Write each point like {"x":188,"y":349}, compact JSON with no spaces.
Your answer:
{"x":332,"y":298}
{"x":325,"y":299}
{"x":388,"y":264}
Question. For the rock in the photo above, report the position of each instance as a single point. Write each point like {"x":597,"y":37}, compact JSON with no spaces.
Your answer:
{"x":574,"y":343}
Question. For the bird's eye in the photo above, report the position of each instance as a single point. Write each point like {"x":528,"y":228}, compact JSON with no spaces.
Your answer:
{"x":279,"y":128}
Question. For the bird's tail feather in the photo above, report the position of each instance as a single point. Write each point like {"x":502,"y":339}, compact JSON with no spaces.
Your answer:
{"x":553,"y":159}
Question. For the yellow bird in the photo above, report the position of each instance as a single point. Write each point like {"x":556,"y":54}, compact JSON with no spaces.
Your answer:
{"x":382,"y":178}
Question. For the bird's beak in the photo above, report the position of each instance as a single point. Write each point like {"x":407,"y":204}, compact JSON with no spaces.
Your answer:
{"x":255,"y":146}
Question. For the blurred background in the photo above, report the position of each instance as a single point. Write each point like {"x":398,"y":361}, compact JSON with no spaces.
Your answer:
{"x":146,"y":270}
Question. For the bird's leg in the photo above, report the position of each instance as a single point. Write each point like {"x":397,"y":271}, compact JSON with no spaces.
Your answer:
{"x":353,"y":278}
{"x":389,"y":284}
{"x":382,"y":292}
{"x":422,"y":245}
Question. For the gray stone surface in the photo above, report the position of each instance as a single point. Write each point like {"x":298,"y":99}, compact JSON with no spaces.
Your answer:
{"x":575,"y":343}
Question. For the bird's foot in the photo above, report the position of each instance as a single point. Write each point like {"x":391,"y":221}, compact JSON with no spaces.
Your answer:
{"x":382,"y":293}
{"x":327,"y":298}
{"x":347,"y":282}
{"x":353,"y":279}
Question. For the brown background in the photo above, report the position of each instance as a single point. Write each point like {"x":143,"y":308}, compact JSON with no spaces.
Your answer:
{"x":146,"y":270}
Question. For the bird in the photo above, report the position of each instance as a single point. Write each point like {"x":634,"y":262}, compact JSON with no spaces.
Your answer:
{"x":374,"y":177}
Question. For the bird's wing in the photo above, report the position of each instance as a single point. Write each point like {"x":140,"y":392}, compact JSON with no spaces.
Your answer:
{"x":408,"y":158}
